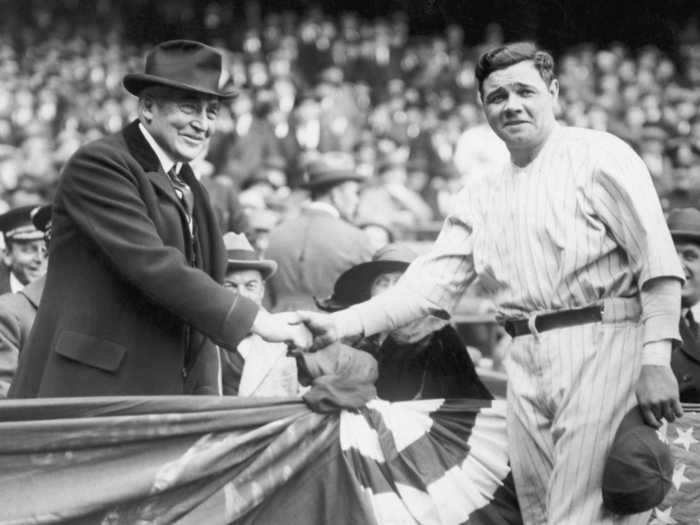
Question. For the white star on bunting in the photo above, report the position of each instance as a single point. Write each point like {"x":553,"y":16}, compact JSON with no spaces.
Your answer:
{"x":663,"y":517}
{"x":685,"y":438}
{"x":679,"y":476}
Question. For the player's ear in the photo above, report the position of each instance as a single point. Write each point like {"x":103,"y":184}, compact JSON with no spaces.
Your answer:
{"x":554,"y":88}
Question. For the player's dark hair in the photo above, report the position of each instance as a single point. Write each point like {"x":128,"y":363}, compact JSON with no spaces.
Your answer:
{"x":510,"y":54}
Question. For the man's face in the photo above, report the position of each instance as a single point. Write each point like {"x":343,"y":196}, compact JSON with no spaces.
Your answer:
{"x":689,"y":253}
{"x":519,"y":106}
{"x":248,"y":283}
{"x":26,"y":259}
{"x":346,"y":197}
{"x":181,"y":123}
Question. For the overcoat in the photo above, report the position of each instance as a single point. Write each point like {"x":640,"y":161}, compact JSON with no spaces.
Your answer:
{"x":132,"y":295}
{"x":312,"y":250}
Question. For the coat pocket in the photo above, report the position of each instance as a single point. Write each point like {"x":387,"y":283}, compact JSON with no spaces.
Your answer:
{"x":90,"y":350}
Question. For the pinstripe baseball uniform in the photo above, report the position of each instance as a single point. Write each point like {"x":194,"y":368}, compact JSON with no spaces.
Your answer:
{"x":580,"y":225}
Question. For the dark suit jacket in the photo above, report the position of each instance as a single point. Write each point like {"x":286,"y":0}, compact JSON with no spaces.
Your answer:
{"x":5,"y":286}
{"x":17,"y":313}
{"x":685,"y":362}
{"x":131,"y":297}
{"x":312,"y":250}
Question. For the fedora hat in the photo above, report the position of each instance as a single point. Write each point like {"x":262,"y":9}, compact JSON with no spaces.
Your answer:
{"x":354,"y":285}
{"x":181,"y":64}
{"x":684,"y":223}
{"x":241,"y":256}
{"x":638,"y":469}
{"x":329,"y":169}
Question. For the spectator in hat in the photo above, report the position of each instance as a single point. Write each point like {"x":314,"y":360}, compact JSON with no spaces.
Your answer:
{"x":424,"y":359}
{"x":684,"y":225}
{"x":134,"y":296}
{"x":315,"y":247}
{"x":256,"y":367}
{"x":18,"y":310}
{"x":24,"y":259}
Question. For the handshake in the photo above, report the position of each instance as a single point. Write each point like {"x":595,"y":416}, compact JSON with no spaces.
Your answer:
{"x":301,"y":330}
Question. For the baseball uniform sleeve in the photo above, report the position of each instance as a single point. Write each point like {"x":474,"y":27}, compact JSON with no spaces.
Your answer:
{"x":431,"y":285}
{"x":625,"y":200}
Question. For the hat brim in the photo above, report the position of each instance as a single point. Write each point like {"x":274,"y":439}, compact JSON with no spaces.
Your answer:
{"x":353,"y":286}
{"x":135,"y":83}
{"x":332,"y":179}
{"x":267,"y":268}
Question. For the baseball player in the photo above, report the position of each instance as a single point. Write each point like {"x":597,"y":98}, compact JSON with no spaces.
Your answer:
{"x":572,"y":231}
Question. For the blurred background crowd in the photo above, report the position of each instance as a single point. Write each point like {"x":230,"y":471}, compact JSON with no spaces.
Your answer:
{"x":390,"y":87}
{"x":402,"y":102}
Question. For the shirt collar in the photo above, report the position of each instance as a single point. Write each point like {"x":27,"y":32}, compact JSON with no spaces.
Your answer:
{"x":15,"y":284}
{"x":322,"y":206}
{"x":165,"y":161}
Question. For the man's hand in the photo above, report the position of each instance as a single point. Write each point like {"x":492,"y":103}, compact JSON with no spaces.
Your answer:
{"x":285,"y":327}
{"x":657,"y":394}
{"x":322,"y":327}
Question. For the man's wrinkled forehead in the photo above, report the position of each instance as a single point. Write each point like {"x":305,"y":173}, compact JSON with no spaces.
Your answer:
{"x":524,"y":73}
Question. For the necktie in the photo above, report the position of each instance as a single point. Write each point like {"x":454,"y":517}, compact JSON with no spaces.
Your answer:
{"x":692,"y":323}
{"x":182,"y":190}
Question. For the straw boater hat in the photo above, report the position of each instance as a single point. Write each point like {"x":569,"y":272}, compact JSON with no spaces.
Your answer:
{"x":354,"y":285}
{"x":241,"y":256}
{"x":684,"y":223}
{"x":181,"y":64}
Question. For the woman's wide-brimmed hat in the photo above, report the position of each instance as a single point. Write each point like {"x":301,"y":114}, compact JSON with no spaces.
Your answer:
{"x":181,"y":64}
{"x":354,"y":285}
{"x":241,"y":256}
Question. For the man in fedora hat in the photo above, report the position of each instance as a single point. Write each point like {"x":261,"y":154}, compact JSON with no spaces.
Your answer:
{"x":257,"y":367}
{"x":684,"y":224}
{"x":18,"y":310}
{"x":24,"y":257}
{"x":133,"y":294}
{"x":314,"y":248}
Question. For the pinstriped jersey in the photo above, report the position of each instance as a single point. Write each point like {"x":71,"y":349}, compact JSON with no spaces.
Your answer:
{"x":580,"y":223}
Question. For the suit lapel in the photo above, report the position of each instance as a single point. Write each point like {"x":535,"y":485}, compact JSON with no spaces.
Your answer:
{"x":147,"y":158}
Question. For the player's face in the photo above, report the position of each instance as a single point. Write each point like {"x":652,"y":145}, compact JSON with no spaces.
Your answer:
{"x":689,"y":253}
{"x":519,"y":106}
{"x":182,"y":124}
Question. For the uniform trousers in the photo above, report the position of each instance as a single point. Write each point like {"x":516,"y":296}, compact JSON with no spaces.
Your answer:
{"x":568,"y":390}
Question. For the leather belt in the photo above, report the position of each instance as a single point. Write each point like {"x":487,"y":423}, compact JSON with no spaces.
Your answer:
{"x":552,"y":320}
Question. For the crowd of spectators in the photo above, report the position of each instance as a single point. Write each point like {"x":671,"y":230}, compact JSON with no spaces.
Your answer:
{"x":311,"y":83}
